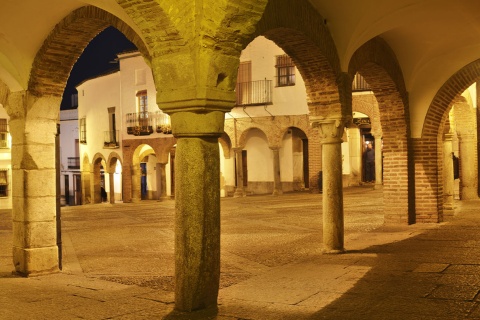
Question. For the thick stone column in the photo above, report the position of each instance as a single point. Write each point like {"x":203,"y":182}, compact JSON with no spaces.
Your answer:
{"x":378,"y":163}
{"x":277,"y":183}
{"x":33,"y":125}
{"x":239,"y":190}
{"x":448,"y":179}
{"x":197,"y":218}
{"x":468,"y":179}
{"x":111,"y":181}
{"x":331,"y":131}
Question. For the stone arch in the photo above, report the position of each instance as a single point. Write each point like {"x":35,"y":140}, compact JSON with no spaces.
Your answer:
{"x":50,"y":70}
{"x":377,"y":63}
{"x":294,"y":160}
{"x":97,"y":163}
{"x":370,"y":108}
{"x":226,"y":144}
{"x":111,"y":166}
{"x":428,"y":149}
{"x":301,"y":32}
{"x":243,"y":137}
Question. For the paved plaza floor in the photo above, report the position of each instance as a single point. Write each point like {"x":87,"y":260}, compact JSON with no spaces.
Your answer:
{"x":119,"y":263}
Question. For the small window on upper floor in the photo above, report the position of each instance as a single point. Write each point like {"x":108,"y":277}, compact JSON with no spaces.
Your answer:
{"x":142,"y":101}
{"x":83,"y":130}
{"x":3,"y":183}
{"x":285,"y":71}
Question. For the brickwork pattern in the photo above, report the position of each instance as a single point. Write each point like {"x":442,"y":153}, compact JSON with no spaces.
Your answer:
{"x":55,"y":59}
{"x":376,"y":62}
{"x":428,"y":150}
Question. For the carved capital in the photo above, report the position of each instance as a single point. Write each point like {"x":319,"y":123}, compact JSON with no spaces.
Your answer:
{"x":330,"y":129}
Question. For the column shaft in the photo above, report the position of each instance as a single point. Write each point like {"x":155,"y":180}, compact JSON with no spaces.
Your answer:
{"x":277,"y":183}
{"x":197,"y":223}
{"x":448,"y":179}
{"x":468,"y":179}
{"x":239,"y":190}
{"x":111,"y":180}
{"x":333,"y":225}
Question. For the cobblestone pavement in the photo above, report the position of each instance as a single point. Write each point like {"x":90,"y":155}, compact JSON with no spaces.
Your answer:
{"x":119,"y":264}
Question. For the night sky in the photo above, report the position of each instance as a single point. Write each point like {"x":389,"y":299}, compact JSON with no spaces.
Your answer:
{"x":96,"y":60}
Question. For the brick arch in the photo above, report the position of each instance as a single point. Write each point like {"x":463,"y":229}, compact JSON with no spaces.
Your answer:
{"x":377,"y":63}
{"x":370,"y":108}
{"x":300,"y":31}
{"x":428,"y":148}
{"x":64,"y":45}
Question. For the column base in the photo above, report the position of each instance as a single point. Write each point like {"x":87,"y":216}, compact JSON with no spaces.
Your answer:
{"x":333,"y":251}
{"x":239,"y":193}
{"x":378,"y":186}
{"x":36,"y":261}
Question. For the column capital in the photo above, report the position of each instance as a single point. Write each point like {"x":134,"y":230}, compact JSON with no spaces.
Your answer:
{"x":330,"y":129}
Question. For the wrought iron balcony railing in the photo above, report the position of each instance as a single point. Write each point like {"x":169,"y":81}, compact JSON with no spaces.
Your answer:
{"x":110,"y":139}
{"x":143,"y":123}
{"x":254,"y":93}
{"x":73,"y":162}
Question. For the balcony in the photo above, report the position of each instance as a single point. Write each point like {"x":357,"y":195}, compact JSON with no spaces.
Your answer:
{"x":110,"y":139}
{"x":254,"y":93}
{"x":73,"y":162}
{"x":143,"y":123}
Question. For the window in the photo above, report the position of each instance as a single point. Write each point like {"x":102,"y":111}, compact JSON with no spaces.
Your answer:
{"x":3,"y":183}
{"x":142,"y":101}
{"x":285,"y":71}
{"x":83,"y":130}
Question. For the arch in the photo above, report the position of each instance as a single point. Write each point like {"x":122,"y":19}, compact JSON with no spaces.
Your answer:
{"x":226,"y":144}
{"x":428,"y":148}
{"x":377,"y":63}
{"x":50,"y":70}
{"x":243,"y":136}
{"x":294,"y":159}
{"x":301,"y":32}
{"x":112,"y":161}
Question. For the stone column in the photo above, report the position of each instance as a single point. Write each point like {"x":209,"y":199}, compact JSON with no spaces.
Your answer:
{"x":33,"y":125}
{"x":448,"y":179}
{"x":136,"y":183}
{"x":355,"y":154}
{"x":239,"y":190}
{"x":162,"y":175}
{"x":331,"y":131}
{"x":111,"y":180}
{"x":378,"y":163}
{"x":197,"y":206}
{"x":277,"y":183}
{"x":468,"y":179}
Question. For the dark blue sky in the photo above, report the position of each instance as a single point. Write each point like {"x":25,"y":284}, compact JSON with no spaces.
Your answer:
{"x":95,"y":60}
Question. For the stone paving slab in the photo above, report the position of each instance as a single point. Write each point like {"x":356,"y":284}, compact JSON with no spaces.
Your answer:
{"x":119,"y":264}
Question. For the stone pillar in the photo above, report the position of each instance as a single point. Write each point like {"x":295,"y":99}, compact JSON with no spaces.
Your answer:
{"x":136,"y":183}
{"x":197,"y":206}
{"x":111,"y":178}
{"x":355,"y":155}
{"x":277,"y":182}
{"x":331,"y":131}
{"x":162,"y":176}
{"x":378,"y":162}
{"x":448,"y":179}
{"x":468,"y":178}
{"x":33,"y":125}
{"x":239,"y":190}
